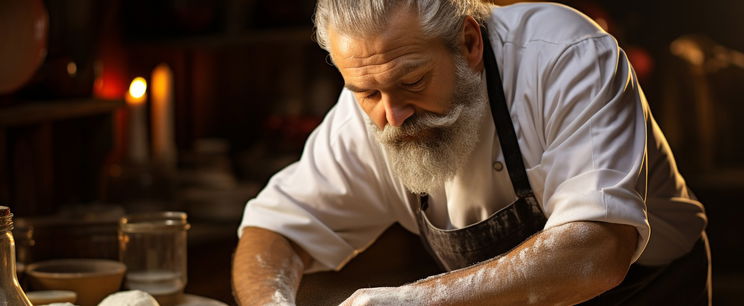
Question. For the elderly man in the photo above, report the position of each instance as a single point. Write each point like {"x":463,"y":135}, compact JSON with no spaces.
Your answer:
{"x":514,"y":140}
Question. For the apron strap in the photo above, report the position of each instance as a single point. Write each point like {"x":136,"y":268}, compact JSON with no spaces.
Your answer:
{"x":503,"y":122}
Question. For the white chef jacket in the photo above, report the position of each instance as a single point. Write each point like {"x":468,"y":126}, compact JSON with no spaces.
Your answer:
{"x":590,"y":145}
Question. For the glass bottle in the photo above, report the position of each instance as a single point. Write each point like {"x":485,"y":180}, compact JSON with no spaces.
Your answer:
{"x":11,"y":293}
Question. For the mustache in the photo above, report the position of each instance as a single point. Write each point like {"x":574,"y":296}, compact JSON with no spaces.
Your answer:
{"x":418,"y":123}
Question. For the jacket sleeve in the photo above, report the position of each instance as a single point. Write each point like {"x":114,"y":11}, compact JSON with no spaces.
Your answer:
{"x":594,"y":164}
{"x":330,"y":202}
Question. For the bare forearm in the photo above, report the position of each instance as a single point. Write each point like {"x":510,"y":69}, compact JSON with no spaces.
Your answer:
{"x":564,"y":265}
{"x":267,"y":268}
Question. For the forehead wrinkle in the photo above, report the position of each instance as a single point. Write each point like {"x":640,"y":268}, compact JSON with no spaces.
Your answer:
{"x":398,"y":66}
{"x":385,"y":55}
{"x":399,"y":69}
{"x":377,"y":58}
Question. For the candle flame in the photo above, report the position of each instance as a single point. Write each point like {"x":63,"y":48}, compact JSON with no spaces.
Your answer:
{"x":138,"y":87}
{"x":161,"y":82}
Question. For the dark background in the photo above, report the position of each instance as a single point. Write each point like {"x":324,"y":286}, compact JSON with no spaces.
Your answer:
{"x":250,"y":85}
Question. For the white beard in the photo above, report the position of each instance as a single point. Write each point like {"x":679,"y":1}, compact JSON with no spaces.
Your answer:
{"x":424,"y":161}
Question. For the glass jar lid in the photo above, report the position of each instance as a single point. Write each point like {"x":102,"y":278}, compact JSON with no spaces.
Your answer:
{"x":154,"y":222}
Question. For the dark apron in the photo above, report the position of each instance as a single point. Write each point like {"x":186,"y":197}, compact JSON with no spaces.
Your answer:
{"x":504,"y":229}
{"x":685,"y":281}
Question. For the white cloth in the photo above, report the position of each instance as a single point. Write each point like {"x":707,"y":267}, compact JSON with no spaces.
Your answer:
{"x":583,"y":124}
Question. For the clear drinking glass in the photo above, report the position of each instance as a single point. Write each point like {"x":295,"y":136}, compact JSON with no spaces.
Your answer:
{"x":153,"y":246}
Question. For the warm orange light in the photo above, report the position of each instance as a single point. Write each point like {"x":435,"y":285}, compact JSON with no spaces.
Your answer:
{"x":138,"y":87}
{"x":161,"y":83}
{"x":603,"y":23}
{"x":72,"y":69}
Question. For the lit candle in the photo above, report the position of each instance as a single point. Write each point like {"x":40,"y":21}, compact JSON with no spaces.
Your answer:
{"x":136,"y":102}
{"x":163,"y":140}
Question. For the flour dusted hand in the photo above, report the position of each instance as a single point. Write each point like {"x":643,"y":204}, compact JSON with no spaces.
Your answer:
{"x":388,"y":296}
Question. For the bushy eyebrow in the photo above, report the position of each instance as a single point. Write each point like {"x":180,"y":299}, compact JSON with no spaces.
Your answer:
{"x":404,"y":69}
{"x":353,"y":88}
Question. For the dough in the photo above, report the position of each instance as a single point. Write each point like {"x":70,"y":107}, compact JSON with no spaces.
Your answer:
{"x":129,"y":298}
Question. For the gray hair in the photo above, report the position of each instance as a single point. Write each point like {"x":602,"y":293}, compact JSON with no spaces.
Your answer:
{"x":439,"y":18}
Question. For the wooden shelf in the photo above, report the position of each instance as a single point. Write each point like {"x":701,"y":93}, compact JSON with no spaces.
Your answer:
{"x":32,"y":112}
{"x":290,"y":35}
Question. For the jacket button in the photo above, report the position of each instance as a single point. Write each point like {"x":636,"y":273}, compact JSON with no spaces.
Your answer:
{"x":498,"y":166}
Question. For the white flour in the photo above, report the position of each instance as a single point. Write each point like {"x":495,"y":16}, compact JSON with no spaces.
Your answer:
{"x":261,"y":261}
{"x":285,"y":282}
{"x":279,"y":299}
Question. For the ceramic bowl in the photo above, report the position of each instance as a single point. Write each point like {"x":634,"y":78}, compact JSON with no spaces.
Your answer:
{"x":91,"y":279}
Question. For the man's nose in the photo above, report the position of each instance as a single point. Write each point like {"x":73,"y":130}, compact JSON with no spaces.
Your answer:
{"x":397,"y":112}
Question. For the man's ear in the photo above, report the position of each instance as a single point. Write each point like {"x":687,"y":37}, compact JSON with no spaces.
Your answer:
{"x":471,"y":43}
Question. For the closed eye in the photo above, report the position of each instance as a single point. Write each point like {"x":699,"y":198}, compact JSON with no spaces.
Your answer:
{"x":372,"y":94}
{"x":414,"y":84}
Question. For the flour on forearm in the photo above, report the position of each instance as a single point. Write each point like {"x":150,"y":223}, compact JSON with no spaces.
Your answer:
{"x":286,"y":282}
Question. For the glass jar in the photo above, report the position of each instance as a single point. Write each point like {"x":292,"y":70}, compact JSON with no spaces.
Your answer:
{"x":10,"y":291}
{"x":153,"y":246}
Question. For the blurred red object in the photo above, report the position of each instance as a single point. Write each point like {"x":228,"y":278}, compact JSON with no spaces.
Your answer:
{"x":111,"y":71}
{"x":24,"y":25}
{"x":597,"y":13}
{"x":642,"y":62}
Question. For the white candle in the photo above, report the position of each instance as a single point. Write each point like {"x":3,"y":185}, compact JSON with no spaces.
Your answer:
{"x":136,"y":102}
{"x":163,"y":140}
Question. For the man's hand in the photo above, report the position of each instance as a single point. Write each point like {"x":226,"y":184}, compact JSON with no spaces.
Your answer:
{"x":379,"y":296}
{"x":267,"y":268}
{"x":567,"y":264}
{"x":408,"y":295}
